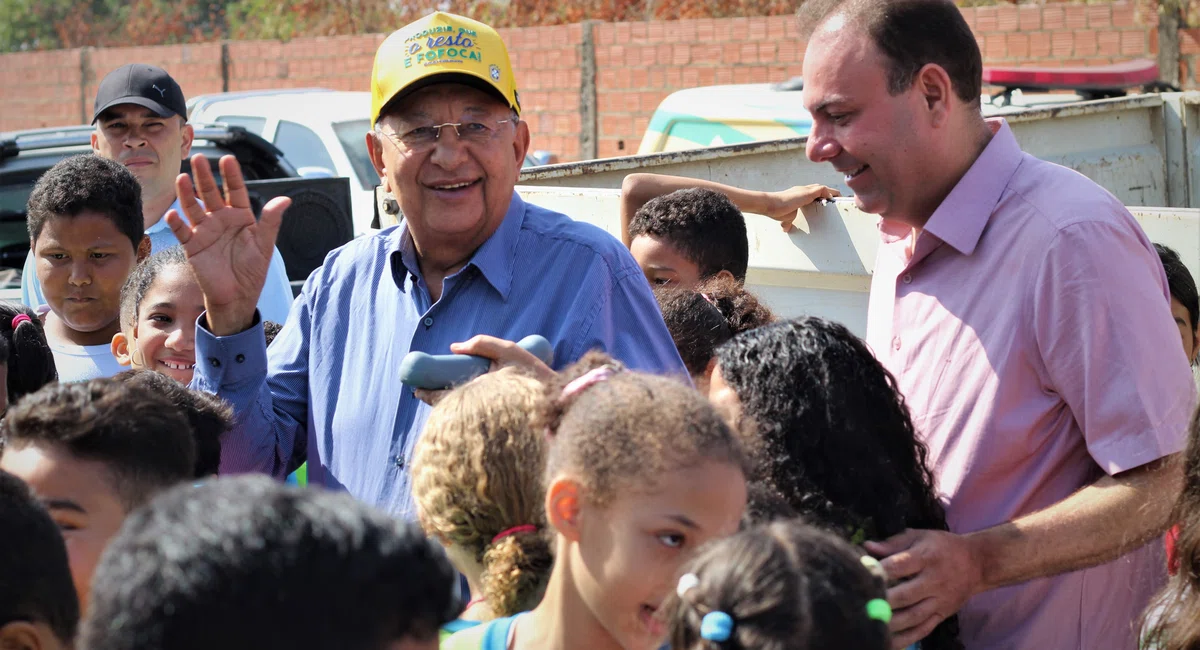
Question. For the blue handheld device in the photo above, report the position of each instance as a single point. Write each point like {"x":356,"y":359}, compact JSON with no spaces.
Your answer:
{"x":440,"y":371}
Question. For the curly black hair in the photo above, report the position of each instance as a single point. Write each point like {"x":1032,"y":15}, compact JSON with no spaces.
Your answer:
{"x":833,"y":434}
{"x":703,"y":225}
{"x":87,"y":182}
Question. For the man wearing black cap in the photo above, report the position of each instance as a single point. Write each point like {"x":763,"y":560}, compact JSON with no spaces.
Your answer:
{"x":141,"y":122}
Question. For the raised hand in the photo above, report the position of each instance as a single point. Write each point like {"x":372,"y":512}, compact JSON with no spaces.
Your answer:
{"x":229,"y":251}
{"x":784,"y":206}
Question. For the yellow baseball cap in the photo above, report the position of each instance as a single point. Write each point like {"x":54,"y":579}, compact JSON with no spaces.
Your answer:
{"x":437,"y":46}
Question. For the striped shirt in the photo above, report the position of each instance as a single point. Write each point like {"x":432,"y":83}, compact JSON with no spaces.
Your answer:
{"x":331,"y":386}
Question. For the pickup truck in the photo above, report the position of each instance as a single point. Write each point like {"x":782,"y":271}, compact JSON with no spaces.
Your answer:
{"x":1145,"y":149}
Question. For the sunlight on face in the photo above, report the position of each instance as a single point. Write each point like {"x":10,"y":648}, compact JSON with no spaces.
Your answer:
{"x":630,"y":551}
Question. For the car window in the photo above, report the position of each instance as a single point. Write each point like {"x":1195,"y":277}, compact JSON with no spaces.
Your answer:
{"x":301,"y":146}
{"x":353,"y":137}
{"x":254,"y":125}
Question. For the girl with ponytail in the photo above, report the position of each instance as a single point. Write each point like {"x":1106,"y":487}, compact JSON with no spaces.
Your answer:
{"x":477,"y":480}
{"x":23,"y":352}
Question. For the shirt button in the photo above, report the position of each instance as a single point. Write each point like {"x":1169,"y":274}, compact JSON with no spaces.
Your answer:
{"x":399,"y":460}
{"x":241,"y":358}
{"x":428,"y":322}
{"x":896,"y":343}
{"x":907,"y":279}
{"x":214,"y":362}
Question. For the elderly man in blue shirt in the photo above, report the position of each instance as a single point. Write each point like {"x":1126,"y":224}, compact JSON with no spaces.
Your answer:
{"x":470,"y":258}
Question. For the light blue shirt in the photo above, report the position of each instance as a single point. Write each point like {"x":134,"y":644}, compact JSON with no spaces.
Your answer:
{"x":274,"y":303}
{"x":331,"y":380}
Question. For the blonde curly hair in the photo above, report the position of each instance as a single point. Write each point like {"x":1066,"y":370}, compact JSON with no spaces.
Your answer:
{"x":477,"y":471}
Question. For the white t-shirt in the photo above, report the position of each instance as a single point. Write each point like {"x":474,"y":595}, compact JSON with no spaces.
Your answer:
{"x":83,"y":362}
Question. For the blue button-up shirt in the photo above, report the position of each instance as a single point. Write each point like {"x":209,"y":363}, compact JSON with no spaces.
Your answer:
{"x":332,"y":383}
{"x":274,"y":303}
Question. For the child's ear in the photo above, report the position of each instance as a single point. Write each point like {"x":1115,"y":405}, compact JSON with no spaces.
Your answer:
{"x":562,"y":507}
{"x":120,"y":351}
{"x":143,"y":249}
{"x":23,"y":635}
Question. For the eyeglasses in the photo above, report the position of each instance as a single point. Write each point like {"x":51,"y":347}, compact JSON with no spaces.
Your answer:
{"x":424,"y":138}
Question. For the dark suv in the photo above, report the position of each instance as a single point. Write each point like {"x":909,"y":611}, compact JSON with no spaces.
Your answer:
{"x":317,"y":221}
{"x":26,"y":155}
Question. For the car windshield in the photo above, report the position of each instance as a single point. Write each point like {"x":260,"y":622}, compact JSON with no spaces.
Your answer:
{"x":353,"y":136}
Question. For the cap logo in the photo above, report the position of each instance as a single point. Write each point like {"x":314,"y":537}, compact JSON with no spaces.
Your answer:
{"x":162,"y":93}
{"x":494,"y":70}
{"x":442,"y":44}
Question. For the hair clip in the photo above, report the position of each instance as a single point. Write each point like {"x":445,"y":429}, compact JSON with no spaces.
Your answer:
{"x":587,"y":380}
{"x":20,"y":318}
{"x":717,"y":626}
{"x":878,"y":609}
{"x":687,"y":582}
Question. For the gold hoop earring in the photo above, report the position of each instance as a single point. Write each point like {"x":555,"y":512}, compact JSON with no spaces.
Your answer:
{"x":134,"y":357}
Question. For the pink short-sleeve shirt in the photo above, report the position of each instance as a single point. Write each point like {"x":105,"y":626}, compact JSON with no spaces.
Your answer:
{"x":1031,"y":335}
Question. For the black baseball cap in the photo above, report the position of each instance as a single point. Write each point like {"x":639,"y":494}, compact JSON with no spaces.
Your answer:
{"x":144,"y":85}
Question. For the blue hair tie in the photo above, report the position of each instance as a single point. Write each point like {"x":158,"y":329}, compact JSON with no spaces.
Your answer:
{"x":716,"y":626}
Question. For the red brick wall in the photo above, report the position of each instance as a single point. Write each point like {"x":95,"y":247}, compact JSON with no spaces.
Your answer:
{"x":40,"y":89}
{"x":637,"y":64}
{"x":1189,"y":56}
{"x":641,"y":63}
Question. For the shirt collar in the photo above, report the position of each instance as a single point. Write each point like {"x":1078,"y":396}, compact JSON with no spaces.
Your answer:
{"x":960,"y":219}
{"x":161,"y":224}
{"x":496,"y":259}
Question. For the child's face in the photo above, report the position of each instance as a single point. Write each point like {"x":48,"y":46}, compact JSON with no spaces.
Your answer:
{"x":81,"y":262}
{"x":1187,"y":329}
{"x":164,"y":336}
{"x":662,"y":263}
{"x":627,"y":560}
{"x":80,"y":498}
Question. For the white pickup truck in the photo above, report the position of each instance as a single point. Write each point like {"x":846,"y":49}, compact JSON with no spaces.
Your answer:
{"x":1144,"y":149}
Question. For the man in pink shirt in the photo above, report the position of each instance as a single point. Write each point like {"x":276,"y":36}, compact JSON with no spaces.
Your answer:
{"x":1026,"y":318}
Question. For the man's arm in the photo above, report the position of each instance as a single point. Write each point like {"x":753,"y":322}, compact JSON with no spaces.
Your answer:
{"x":1097,"y":524}
{"x":230,"y":254}
{"x":625,"y":322}
{"x":638,"y":189}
